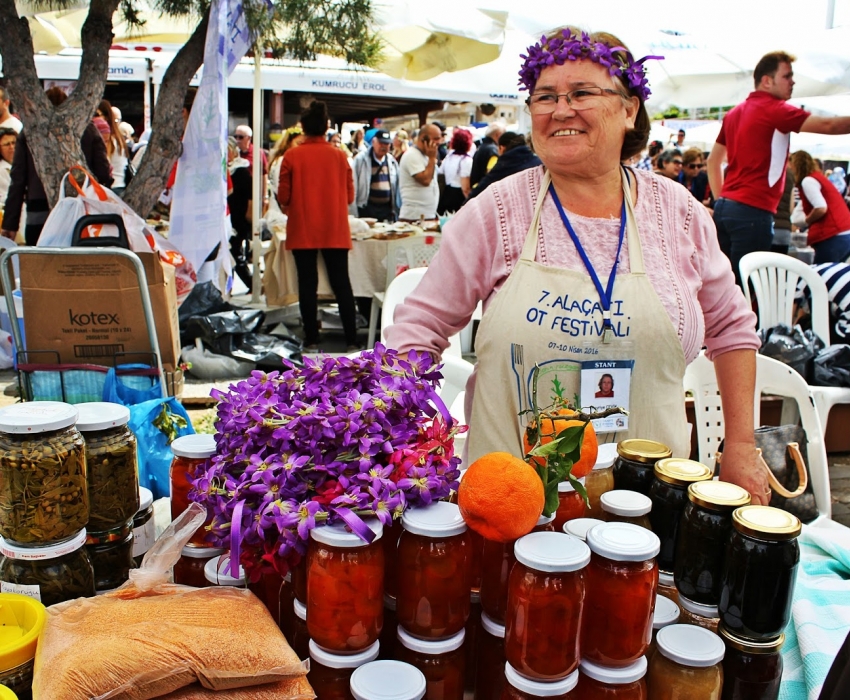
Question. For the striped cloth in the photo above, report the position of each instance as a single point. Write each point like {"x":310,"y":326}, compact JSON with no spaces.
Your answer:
{"x":820,"y":612}
{"x":837,"y":279}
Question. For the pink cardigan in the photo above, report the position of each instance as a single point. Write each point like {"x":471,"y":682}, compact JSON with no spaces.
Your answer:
{"x":483,"y":241}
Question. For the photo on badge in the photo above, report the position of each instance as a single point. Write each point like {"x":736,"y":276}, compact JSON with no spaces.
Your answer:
{"x":606,"y":384}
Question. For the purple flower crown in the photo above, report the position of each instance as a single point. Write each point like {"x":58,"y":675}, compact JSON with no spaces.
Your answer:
{"x":557,"y":50}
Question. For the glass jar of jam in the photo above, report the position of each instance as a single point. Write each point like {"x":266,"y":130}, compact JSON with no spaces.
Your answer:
{"x":686,"y":664}
{"x":751,"y":669}
{"x":190,"y":453}
{"x":434,"y":561}
{"x":518,"y":687}
{"x":597,"y":682}
{"x":267,"y":589}
{"x":345,"y":588}
{"x":299,"y":579}
{"x":700,"y":615}
{"x":330,"y":674}
{"x":669,"y":496}
{"x":546,"y":594}
{"x":490,"y":669}
{"x":111,"y":555}
{"x":703,"y":534}
{"x":111,"y":463}
{"x":621,"y":580}
{"x":389,"y":637}
{"x":300,"y":639}
{"x":287,"y":596}
{"x":666,"y":613}
{"x":601,"y":478}
{"x":636,"y":458}
{"x":579,"y":527}
{"x":389,"y":541}
{"x":43,"y":485}
{"x":217,"y":573}
{"x":667,"y":586}
{"x":144,"y":527}
{"x":471,"y":640}
{"x":571,"y":504}
{"x":623,"y":506}
{"x":387,"y":680}
{"x":759,"y":572}
{"x":441,"y":660}
{"x":189,"y":569}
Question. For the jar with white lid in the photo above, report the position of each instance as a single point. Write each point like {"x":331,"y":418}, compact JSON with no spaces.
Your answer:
{"x":300,"y":639}
{"x":441,"y":660}
{"x":597,"y":682}
{"x":600,"y":479}
{"x":388,"y":680}
{"x":580,"y":526}
{"x":43,"y":488}
{"x":686,"y":664}
{"x":545,"y":602}
{"x":571,"y":504}
{"x":621,"y":582}
{"x":217,"y":573}
{"x":490,"y":667}
{"x":345,"y":587}
{"x":694,"y":613}
{"x":667,"y":586}
{"x":51,"y":574}
{"x":666,"y":613}
{"x":189,"y":569}
{"x":330,"y":674}
{"x":518,"y":687}
{"x":388,"y":636}
{"x":144,"y":527}
{"x":191,"y":453}
{"x":111,"y":463}
{"x":434,"y":574}
{"x":626,"y":507}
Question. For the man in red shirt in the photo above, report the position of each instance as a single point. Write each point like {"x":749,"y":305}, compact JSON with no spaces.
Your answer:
{"x":754,"y":140}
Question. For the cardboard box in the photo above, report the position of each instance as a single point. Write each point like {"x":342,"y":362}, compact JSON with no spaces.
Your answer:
{"x":87,"y":308}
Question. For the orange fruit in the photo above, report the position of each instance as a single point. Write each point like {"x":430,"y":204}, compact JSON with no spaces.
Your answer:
{"x":501,"y":497}
{"x":552,"y":427}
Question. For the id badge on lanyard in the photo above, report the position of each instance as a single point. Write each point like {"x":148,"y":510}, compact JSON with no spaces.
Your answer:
{"x":606,"y":383}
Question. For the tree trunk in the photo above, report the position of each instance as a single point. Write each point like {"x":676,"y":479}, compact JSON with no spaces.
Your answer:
{"x":167,"y":126}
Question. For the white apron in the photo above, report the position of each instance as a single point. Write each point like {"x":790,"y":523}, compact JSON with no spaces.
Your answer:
{"x":552,"y":317}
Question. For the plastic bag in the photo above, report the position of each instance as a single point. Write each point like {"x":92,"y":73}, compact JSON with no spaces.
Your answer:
{"x":794,"y":347}
{"x":150,"y":637}
{"x":156,"y":425}
{"x":204,"y":299}
{"x":832,"y":367}
{"x":210,"y":367}
{"x":130,"y":389}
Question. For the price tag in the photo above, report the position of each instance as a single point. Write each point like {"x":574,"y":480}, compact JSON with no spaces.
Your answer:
{"x":21,"y":589}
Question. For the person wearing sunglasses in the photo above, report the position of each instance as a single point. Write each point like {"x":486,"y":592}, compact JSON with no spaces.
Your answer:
{"x":669,"y":163}
{"x":694,"y":176}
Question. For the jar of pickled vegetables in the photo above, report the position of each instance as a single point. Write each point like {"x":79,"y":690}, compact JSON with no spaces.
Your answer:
{"x":597,"y":682}
{"x":751,"y":669}
{"x":300,"y":639}
{"x":579,"y":527}
{"x":144,"y":527}
{"x":667,"y":586}
{"x":666,"y":613}
{"x":387,"y":680}
{"x":330,"y":674}
{"x":51,"y":574}
{"x":345,"y":588}
{"x":600,"y":479}
{"x":571,"y":504}
{"x":441,"y":660}
{"x":686,"y":664}
{"x":700,"y":615}
{"x":43,"y":489}
{"x":16,"y":682}
{"x":490,"y":669}
{"x":546,"y":594}
{"x":388,"y":637}
{"x":190,"y":453}
{"x":759,"y":572}
{"x":111,"y":555}
{"x":217,"y":573}
{"x":111,"y":463}
{"x":189,"y":569}
{"x":434,"y":560}
{"x":623,"y":506}
{"x":703,"y":534}
{"x":621,"y":580}
{"x":518,"y":687}
{"x":669,"y":496}
{"x":636,"y":458}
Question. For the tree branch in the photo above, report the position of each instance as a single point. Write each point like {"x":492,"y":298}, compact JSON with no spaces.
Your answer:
{"x":95,"y":38}
{"x":17,"y":53}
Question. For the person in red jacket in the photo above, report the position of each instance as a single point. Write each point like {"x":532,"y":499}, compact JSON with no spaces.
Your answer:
{"x":826,"y":212}
{"x":316,"y":187}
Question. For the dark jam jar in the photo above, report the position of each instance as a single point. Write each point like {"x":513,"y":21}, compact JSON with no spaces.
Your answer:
{"x":330,"y":674}
{"x":189,"y":569}
{"x":633,"y":470}
{"x":669,"y":496}
{"x":441,"y":660}
{"x":190,"y":454}
{"x":603,"y":683}
{"x":518,"y":687}
{"x":751,"y":669}
{"x":703,"y":534}
{"x":111,"y":555}
{"x":490,"y":668}
{"x":759,"y":572}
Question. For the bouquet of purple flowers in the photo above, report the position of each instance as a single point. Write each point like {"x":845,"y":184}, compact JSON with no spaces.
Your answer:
{"x":334,"y":440}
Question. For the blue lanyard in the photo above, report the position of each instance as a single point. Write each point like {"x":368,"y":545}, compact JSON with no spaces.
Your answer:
{"x":604,"y":294}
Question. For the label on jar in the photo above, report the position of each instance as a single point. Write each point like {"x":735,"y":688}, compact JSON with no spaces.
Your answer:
{"x":144,"y":537}
{"x":33,"y":591}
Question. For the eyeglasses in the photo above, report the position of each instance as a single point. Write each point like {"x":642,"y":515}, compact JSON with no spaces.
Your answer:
{"x":696,"y":165}
{"x":582,"y":98}
{"x":239,"y":137}
{"x":676,"y":162}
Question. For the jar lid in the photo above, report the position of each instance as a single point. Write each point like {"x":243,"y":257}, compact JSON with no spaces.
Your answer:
{"x":615,"y":676}
{"x":145,"y":499}
{"x":666,"y":613}
{"x":580,"y":526}
{"x":439,"y":519}
{"x":551,"y":551}
{"x":101,"y":415}
{"x":750,"y":647}
{"x":475,"y":596}
{"x":681,"y":472}
{"x":300,"y":609}
{"x":606,"y":456}
{"x":338,"y":534}
{"x":646,"y":451}
{"x":29,"y":616}
{"x":766,"y":523}
{"x":387,"y":680}
{"x":539,"y":689}
{"x":50,"y":551}
{"x":628,"y":504}
{"x":331,"y":660}
{"x":390,"y":602}
{"x":195,"y":552}
{"x":665,"y":578}
{"x":432,"y":647}
{"x":490,"y":625}
{"x":623,"y":542}
{"x":198,"y":446}
{"x":690,"y":645}
{"x":545,"y":520}
{"x":718,"y":495}
{"x":707,"y":611}
{"x":37,"y":417}
{"x":7,"y":693}
{"x":217,"y":571}
{"x":567,"y":487}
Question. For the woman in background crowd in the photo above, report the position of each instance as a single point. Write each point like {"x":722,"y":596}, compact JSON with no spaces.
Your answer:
{"x":669,"y":164}
{"x":456,"y":168}
{"x":401,"y":143}
{"x":694,"y":176}
{"x":116,"y":146}
{"x":289,"y":139}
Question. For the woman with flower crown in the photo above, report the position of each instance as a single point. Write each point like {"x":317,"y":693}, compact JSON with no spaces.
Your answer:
{"x":584,"y":265}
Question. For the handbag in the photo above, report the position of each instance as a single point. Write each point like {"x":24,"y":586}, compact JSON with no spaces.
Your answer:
{"x":129,"y":173}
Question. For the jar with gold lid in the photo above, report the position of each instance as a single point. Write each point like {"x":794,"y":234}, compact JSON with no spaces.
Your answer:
{"x":623,"y":506}
{"x":751,"y":669}
{"x":633,"y":470}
